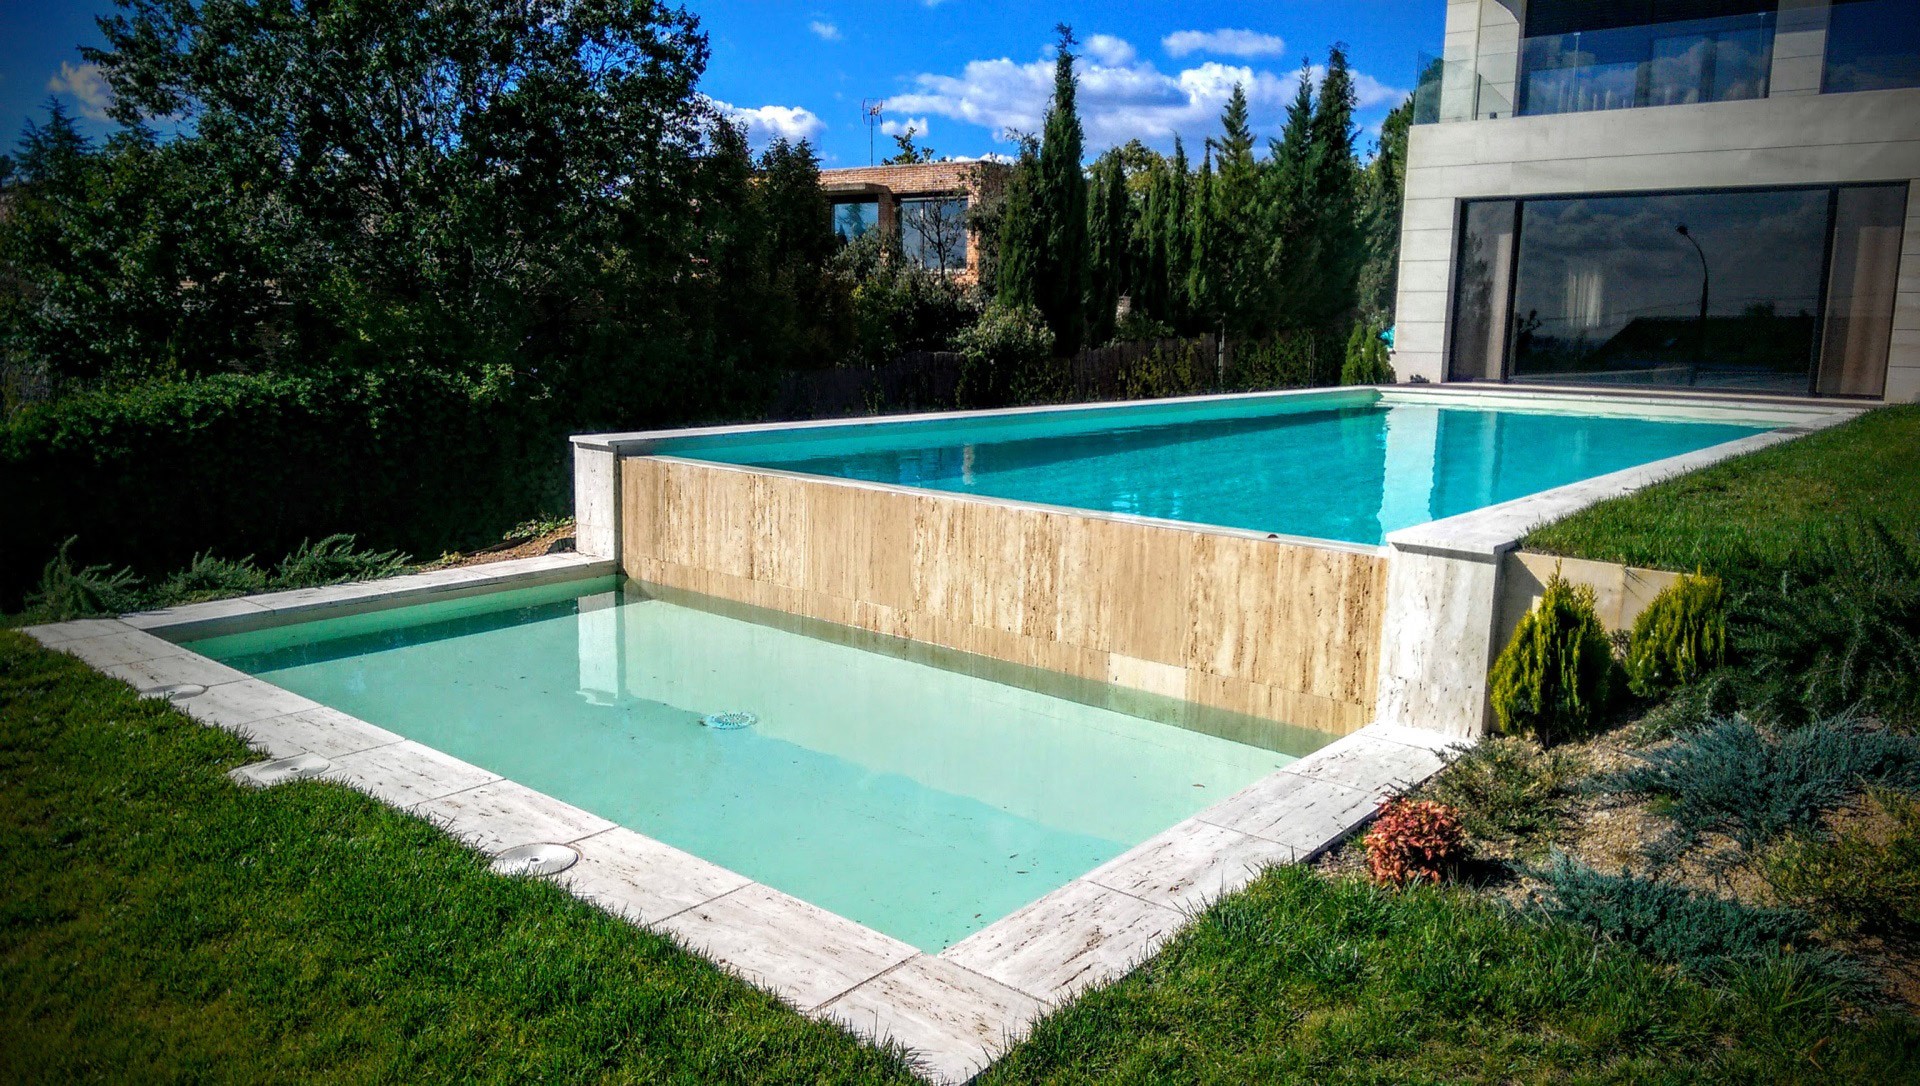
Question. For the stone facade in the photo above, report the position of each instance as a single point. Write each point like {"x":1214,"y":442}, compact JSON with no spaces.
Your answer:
{"x":1794,"y":136}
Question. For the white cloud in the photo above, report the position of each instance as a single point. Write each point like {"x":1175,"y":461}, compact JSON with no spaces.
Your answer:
{"x":824,"y":30}
{"x":895,"y":128}
{"x":764,"y":123}
{"x":1118,"y":102}
{"x":87,"y":87}
{"x":1109,"y":50}
{"x":1231,"y":43}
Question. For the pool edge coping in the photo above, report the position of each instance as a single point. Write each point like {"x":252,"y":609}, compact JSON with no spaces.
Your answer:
{"x":956,"y":1011}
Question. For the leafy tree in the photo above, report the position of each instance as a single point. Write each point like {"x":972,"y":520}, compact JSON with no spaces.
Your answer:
{"x":1109,"y":227}
{"x":1060,"y":206}
{"x":906,"y":152}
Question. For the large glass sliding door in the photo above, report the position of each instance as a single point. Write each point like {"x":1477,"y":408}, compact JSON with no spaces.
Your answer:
{"x":1786,"y":291}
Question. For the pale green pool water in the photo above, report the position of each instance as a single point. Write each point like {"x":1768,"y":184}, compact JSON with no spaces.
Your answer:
{"x":920,"y":801}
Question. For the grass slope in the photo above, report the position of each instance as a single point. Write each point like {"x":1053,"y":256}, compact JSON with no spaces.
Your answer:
{"x":159,"y":924}
{"x":1761,"y":513}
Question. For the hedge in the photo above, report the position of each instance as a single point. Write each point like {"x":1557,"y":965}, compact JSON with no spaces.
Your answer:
{"x":239,"y":464}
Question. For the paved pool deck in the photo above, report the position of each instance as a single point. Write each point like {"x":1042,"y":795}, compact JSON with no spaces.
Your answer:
{"x":956,"y":1010}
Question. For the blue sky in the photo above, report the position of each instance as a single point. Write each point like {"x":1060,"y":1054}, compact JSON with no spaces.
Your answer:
{"x":962,"y":71}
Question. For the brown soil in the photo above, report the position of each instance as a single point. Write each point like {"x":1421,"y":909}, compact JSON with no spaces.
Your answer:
{"x":558,"y":541}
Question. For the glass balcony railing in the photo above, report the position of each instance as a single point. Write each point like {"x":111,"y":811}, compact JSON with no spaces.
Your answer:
{"x":1872,"y":45}
{"x":1662,"y":64}
{"x":1452,"y":91}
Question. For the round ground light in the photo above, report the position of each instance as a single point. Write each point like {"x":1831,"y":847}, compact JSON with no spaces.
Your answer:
{"x":268,"y":774}
{"x":730,"y":721}
{"x":541,"y":859}
{"x":174,"y":691}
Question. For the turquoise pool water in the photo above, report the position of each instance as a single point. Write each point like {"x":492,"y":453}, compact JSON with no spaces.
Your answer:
{"x":920,"y":801}
{"x":1348,"y":470}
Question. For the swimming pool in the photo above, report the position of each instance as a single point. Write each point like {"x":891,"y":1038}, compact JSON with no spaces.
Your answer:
{"x":1344,"y":469}
{"x":919,"y":800}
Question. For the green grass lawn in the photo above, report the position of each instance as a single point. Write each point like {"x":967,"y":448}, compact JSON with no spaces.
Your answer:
{"x":1761,"y":513}
{"x":160,"y":924}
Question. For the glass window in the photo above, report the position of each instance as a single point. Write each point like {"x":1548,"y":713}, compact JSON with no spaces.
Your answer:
{"x":934,"y":232}
{"x":1709,"y":290}
{"x":1864,"y":273}
{"x":852,"y":218}
{"x":1872,"y":45}
{"x":1580,"y":55}
{"x":1481,"y":290}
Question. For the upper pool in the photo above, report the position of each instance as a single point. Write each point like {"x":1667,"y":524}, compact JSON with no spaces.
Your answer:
{"x":1346,"y":468}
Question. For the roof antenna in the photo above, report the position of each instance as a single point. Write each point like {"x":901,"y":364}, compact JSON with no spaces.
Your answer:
{"x":870,"y":112}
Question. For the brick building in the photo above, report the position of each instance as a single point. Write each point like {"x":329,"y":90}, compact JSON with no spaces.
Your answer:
{"x":926,"y":201}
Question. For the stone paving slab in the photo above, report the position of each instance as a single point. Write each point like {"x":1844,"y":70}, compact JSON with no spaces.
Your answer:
{"x":955,"y":1020}
{"x":55,"y":633}
{"x":499,"y":815}
{"x":120,"y":647}
{"x":1191,"y":865}
{"x":147,"y":675}
{"x":236,"y":705}
{"x":329,"y":733}
{"x":1370,"y":764}
{"x":1304,"y":814}
{"x":406,"y":773}
{"x":190,"y":614}
{"x":800,"y":952}
{"x":642,"y":879}
{"x":1080,"y":935}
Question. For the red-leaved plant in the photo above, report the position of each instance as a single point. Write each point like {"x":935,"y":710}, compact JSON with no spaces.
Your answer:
{"x":1413,"y":840}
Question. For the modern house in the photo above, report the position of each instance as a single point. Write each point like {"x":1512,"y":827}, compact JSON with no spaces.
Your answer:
{"x":1699,"y":194}
{"x":927,"y":202}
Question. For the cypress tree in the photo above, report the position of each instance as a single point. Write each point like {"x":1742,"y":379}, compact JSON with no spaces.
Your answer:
{"x":1382,"y":195}
{"x":1179,"y":240}
{"x":1237,"y":253}
{"x":1060,"y":203}
{"x":1147,"y":276}
{"x":1202,"y":282}
{"x":1289,"y":203}
{"x":1022,"y":237}
{"x":1108,"y":228}
{"x":1336,"y":197}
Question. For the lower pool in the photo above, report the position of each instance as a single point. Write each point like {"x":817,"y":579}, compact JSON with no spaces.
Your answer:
{"x":923,"y":801}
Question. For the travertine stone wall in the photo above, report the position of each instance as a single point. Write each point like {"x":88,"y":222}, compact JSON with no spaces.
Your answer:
{"x":1275,"y":628}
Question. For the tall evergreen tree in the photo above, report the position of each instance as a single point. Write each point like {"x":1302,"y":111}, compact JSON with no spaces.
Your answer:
{"x":1109,"y":228}
{"x":1147,"y":278}
{"x":1180,"y":240}
{"x":1383,"y":192}
{"x":1022,"y":233}
{"x":1238,"y":250}
{"x":1289,"y":207}
{"x":1336,"y":198}
{"x":1203,"y":286}
{"x":1060,"y":204}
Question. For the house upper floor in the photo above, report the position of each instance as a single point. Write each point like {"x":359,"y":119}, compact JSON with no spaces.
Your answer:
{"x":1518,"y":58}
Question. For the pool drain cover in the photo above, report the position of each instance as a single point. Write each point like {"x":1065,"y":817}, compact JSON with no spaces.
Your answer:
{"x":730,"y":721}
{"x":174,"y":691}
{"x":541,"y":859}
{"x":268,"y":774}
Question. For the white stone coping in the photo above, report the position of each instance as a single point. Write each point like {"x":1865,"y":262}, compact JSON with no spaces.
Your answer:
{"x":248,"y":613}
{"x":955,"y":1011}
{"x":1486,"y":533}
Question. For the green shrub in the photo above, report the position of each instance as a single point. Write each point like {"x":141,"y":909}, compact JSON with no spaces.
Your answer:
{"x":1843,"y":632}
{"x":151,"y":475}
{"x":1170,"y":369}
{"x":1681,"y":636}
{"x":1866,"y":877}
{"x":1139,"y":327}
{"x":1507,"y":790}
{"x":334,"y":560}
{"x":208,"y":578}
{"x":1699,"y":933}
{"x":1008,"y":358}
{"x":1366,"y":357}
{"x":1734,"y":778}
{"x":1553,"y":679}
{"x":68,"y":592}
{"x":1413,"y":840}
{"x":1283,"y":360}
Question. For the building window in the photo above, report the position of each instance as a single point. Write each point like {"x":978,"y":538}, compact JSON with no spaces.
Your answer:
{"x":852,"y":218}
{"x":934,"y":232}
{"x":1580,"y":55}
{"x":1785,"y":291}
{"x":1872,"y":45}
